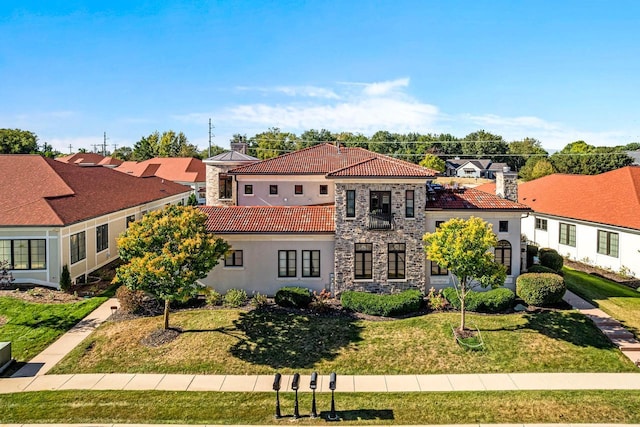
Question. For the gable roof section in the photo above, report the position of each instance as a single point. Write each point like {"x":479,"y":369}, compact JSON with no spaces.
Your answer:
{"x":383,"y":166}
{"x":323,"y":159}
{"x":270,"y":219}
{"x":178,"y":169}
{"x":89,"y":159}
{"x":608,"y":198}
{"x":49,"y":192}
{"x":472,"y":198}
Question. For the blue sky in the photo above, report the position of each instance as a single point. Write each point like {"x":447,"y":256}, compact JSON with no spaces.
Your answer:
{"x":557,"y":71}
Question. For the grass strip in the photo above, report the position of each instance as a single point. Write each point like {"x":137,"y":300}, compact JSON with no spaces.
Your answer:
{"x":353,"y":408}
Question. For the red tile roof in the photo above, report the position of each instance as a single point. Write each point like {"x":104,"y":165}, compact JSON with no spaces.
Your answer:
{"x":270,"y":219}
{"x":608,"y":198}
{"x":177,"y":169}
{"x":89,"y":159}
{"x":325,"y":158}
{"x":47,"y":192}
{"x":472,"y":198}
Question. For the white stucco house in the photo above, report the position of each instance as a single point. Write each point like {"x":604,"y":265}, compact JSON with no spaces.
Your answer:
{"x":338,"y":218}
{"x":58,"y":214}
{"x":593,"y":219}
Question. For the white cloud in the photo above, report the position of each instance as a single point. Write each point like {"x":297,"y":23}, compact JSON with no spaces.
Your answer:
{"x":384,"y":88}
{"x":294,"y":91}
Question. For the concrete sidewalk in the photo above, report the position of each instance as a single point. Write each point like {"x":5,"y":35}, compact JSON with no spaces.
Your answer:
{"x":345,"y":383}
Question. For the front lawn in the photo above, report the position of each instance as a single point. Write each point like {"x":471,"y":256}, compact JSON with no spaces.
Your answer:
{"x":31,"y":327}
{"x":165,"y":407}
{"x":263,"y":341}
{"x":619,"y":301}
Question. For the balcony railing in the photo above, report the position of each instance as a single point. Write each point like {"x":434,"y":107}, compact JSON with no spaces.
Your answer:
{"x":380,"y":221}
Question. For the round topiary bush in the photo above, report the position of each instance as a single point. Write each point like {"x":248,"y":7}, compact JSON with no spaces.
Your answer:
{"x":537,"y":268}
{"x":493,"y":301}
{"x":540,"y":289}
{"x":293,"y":296}
{"x":551,"y":258}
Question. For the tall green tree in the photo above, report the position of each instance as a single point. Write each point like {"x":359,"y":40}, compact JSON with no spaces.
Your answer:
{"x":581,"y":158}
{"x":520,"y":151}
{"x":483,"y":143}
{"x":122,"y":153}
{"x":312,"y":137}
{"x":271,"y":143}
{"x":433,"y":162}
{"x":167,"y":144}
{"x":18,"y":141}
{"x":166,"y":252}
{"x":464,"y":248}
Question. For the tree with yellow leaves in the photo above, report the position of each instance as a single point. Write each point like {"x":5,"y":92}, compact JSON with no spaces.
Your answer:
{"x":166,"y":252}
{"x":463,"y":247}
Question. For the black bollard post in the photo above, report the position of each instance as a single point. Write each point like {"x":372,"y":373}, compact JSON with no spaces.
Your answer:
{"x":295,"y":384}
{"x":332,"y":386}
{"x":276,"y":387}
{"x":313,"y":385}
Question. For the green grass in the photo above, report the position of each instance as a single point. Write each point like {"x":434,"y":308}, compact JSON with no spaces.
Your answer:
{"x":619,"y":301}
{"x":262,"y":342}
{"x":31,"y":327}
{"x":353,"y":408}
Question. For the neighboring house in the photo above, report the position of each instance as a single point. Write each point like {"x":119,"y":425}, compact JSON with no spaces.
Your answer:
{"x":90,"y":159}
{"x":343,"y":218}
{"x":182,"y":170}
{"x":55,"y":213}
{"x":635,"y":155}
{"x":593,"y":219}
{"x":473,"y":168}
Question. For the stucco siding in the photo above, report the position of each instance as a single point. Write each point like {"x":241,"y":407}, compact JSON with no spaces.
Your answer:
{"x":286,"y":190}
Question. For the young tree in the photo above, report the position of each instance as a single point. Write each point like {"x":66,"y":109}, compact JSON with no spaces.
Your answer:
{"x":463,"y":247}
{"x":166,"y":252}
{"x":433,"y":162}
{"x":17,"y":141}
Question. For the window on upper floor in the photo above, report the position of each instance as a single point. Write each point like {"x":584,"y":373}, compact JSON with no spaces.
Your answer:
{"x":298,"y":189}
{"x":102,"y":237}
{"x":502,"y":254}
{"x":129,"y":220}
{"x":363,"y":261}
{"x":608,"y":243}
{"x":248,"y":189}
{"x":541,"y":224}
{"x":273,"y":189}
{"x":503,"y":226}
{"x":436,"y":270}
{"x":409,"y":203}
{"x":311,"y":263}
{"x":24,"y":254}
{"x":439,"y":223}
{"x":324,"y":189}
{"x":351,"y":203}
{"x":234,"y":258}
{"x":287,"y":263}
{"x":567,"y":234}
{"x":225,"y":185}
{"x":396,"y":261}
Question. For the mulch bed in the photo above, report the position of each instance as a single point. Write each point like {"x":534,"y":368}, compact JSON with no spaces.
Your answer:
{"x":632,"y":283}
{"x":39,"y":294}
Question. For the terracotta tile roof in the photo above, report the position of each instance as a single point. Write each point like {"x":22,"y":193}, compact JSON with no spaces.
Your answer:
{"x":608,"y":198}
{"x":325,"y":158}
{"x":383,"y":166}
{"x":177,"y":169}
{"x":89,"y":159}
{"x":472,"y":198}
{"x":270,"y":219}
{"x":49,"y":192}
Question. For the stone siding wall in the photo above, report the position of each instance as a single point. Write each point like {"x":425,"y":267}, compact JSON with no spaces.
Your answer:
{"x":350,"y":231}
{"x":213,"y":186}
{"x":507,"y":185}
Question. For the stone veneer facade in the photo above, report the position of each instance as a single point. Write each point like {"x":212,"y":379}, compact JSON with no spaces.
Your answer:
{"x":213,"y":185}
{"x":350,"y":231}
{"x":507,"y":185}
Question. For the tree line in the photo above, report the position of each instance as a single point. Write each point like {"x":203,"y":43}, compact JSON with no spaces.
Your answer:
{"x":526,"y":156}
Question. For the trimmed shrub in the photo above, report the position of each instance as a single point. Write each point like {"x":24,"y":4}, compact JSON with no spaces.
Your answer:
{"x":211,"y":296}
{"x":130,"y":301}
{"x":293,"y":296}
{"x":234,"y":298}
{"x":493,"y":301}
{"x":259,"y":300}
{"x":65,"y":278}
{"x":537,"y":268}
{"x":404,"y":302}
{"x":540,"y":289}
{"x":551,"y":258}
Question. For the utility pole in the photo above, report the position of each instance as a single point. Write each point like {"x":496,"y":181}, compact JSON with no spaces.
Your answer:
{"x":210,"y":135}
{"x":70,"y":146}
{"x":115,"y":147}
{"x":104,"y":145}
{"x":95,"y":148}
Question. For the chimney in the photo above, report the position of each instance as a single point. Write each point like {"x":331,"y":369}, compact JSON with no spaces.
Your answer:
{"x":239,"y":147}
{"x":507,"y":184}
